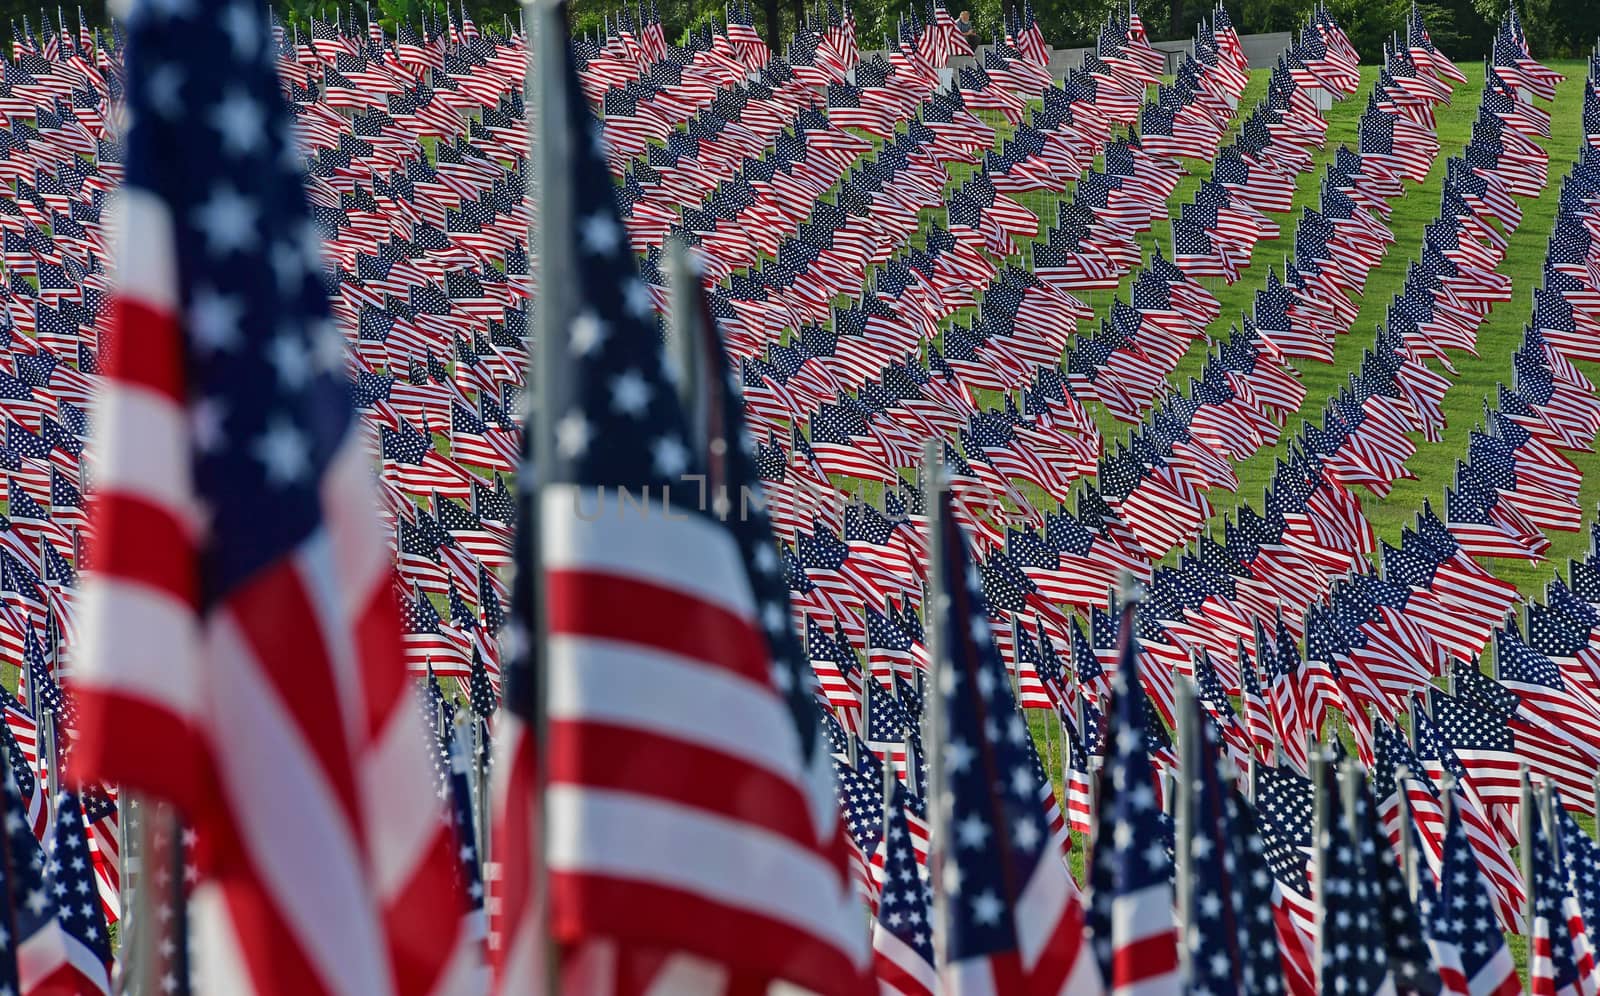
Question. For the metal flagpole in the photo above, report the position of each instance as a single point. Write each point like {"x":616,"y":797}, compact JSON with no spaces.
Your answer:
{"x":1321,"y":840}
{"x":1408,"y":851}
{"x":1525,"y":851}
{"x":867,"y":681}
{"x":137,"y":935}
{"x":1350,"y":779}
{"x":1183,"y":829}
{"x":936,"y":605}
{"x":480,"y":778}
{"x":550,"y":264}
{"x":47,"y":753}
{"x":684,"y":347}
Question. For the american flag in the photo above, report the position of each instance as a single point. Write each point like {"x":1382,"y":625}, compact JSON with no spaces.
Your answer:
{"x":902,"y":934}
{"x":1580,"y":858}
{"x":1409,"y":960}
{"x":1134,"y":934}
{"x":1463,"y":932}
{"x":223,"y":274}
{"x":750,"y":875}
{"x":1014,"y":922}
{"x":1561,"y":955}
{"x":63,"y":942}
{"x":1274,"y":960}
{"x":1216,"y":942}
{"x":1352,"y":924}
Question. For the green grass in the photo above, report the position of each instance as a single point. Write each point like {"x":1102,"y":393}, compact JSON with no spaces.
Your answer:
{"x":1477,"y":376}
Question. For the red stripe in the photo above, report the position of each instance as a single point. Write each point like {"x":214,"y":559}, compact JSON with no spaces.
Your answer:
{"x":890,"y":974}
{"x":1147,"y":958}
{"x":138,"y":541}
{"x":385,"y":679}
{"x":67,"y":980}
{"x":431,"y":897}
{"x":515,"y":824}
{"x":611,"y":607}
{"x":267,"y":942}
{"x":291,"y":658}
{"x":629,"y":759}
{"x":584,"y":906}
{"x":1062,"y":951}
{"x":153,"y":357}
{"x":134,"y":741}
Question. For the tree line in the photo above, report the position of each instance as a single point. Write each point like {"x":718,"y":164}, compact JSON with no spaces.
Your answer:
{"x":1464,"y":29}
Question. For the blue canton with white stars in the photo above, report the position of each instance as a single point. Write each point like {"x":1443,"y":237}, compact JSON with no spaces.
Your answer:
{"x":269,"y":402}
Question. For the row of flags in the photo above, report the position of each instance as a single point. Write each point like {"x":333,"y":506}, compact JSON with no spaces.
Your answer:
{"x":995,"y":860}
{"x":730,"y":863}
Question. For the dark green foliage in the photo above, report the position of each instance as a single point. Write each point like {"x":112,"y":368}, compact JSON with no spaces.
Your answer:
{"x":1462,"y":28}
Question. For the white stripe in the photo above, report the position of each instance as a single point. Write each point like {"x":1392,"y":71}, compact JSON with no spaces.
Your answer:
{"x":731,"y":862}
{"x":291,"y":825}
{"x":677,"y":697}
{"x":1161,"y":985}
{"x":467,"y":971}
{"x":48,"y":951}
{"x":686,"y":975}
{"x":1499,"y":967}
{"x":361,"y":555}
{"x":521,"y":967}
{"x":970,"y":977}
{"x":40,"y":954}
{"x":1147,"y":913}
{"x":315,"y":566}
{"x":650,"y":544}
{"x":157,"y":469}
{"x":147,"y":269}
{"x":404,"y":817}
{"x":141,"y":643}
{"x":219,"y":964}
{"x":1044,"y":899}
{"x":887,"y":945}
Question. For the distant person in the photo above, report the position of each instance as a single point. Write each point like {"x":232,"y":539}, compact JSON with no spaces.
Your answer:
{"x":964,"y":24}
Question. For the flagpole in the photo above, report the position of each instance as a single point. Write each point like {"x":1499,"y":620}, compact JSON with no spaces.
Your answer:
{"x":683,"y":347}
{"x":867,"y":681}
{"x":1183,"y":830}
{"x":47,"y":752}
{"x":136,"y":939}
{"x":549,"y":228}
{"x":1350,"y":780}
{"x":1321,"y":839}
{"x":1525,"y":852}
{"x":1408,"y":851}
{"x":1596,"y":800}
{"x":936,"y":605}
